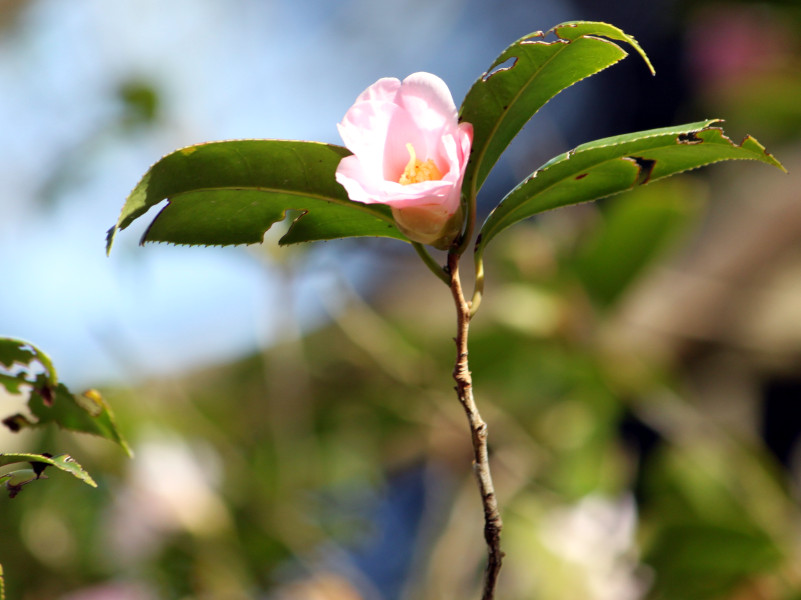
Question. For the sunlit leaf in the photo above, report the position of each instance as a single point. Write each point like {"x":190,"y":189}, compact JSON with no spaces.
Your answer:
{"x":21,"y":362}
{"x":87,"y":413}
{"x":507,"y":96}
{"x":12,"y":383}
{"x":226,"y":193}
{"x":616,"y":164}
{"x":64,"y":462}
{"x":23,"y":365}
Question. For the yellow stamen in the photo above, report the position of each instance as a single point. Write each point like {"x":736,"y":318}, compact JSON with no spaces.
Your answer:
{"x":417,"y":171}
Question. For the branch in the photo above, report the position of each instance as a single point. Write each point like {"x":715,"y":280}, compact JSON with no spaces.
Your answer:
{"x":478,"y":431}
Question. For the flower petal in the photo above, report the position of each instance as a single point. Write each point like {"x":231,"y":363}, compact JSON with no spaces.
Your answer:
{"x":360,"y":183}
{"x":424,"y":90}
{"x":385,"y":120}
{"x":385,"y":89}
{"x":403,"y":130}
{"x":364,"y":128}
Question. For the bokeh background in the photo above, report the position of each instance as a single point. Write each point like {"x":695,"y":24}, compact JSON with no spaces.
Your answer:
{"x":296,"y":435}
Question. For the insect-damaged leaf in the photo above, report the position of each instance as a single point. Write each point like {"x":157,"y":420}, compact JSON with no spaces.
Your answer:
{"x":502,"y":101}
{"x":225,"y":193}
{"x":19,"y":363}
{"x":611,"y":165}
{"x":85,"y":413}
{"x":25,"y":368}
{"x":63,"y":462}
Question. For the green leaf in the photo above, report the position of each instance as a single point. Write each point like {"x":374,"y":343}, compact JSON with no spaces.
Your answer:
{"x":23,"y":365}
{"x":87,"y":413}
{"x":18,"y":353}
{"x":502,"y":101}
{"x":225,"y":193}
{"x":63,"y":462}
{"x":616,"y":164}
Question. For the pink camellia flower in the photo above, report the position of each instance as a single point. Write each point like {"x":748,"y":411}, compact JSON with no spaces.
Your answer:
{"x":410,"y":153}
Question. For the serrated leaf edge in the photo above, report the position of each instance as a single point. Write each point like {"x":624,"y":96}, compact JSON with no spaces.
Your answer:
{"x":624,"y":37}
{"x":506,"y":55}
{"x":708,"y":125}
{"x":118,"y":226}
{"x":78,"y":472}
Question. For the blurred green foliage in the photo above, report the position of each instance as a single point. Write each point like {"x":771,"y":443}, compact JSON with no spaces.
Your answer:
{"x":250,"y":476}
{"x":621,"y":469}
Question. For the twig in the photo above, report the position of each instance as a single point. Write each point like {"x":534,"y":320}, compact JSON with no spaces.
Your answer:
{"x":478,"y":430}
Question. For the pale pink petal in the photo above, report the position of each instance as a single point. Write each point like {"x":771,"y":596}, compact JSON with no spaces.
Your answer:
{"x":425,"y":193}
{"x":385,"y":89}
{"x":449,"y":154}
{"x":455,"y":151}
{"x":428,"y":98}
{"x":465,"y":133}
{"x":386,"y":119}
{"x":402,"y":130}
{"x":361,"y":184}
{"x":364,"y":128}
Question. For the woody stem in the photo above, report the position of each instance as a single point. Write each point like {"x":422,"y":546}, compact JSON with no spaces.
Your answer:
{"x":478,"y":431}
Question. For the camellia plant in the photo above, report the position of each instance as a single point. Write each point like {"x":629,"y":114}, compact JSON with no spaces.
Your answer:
{"x":26,"y":370}
{"x":411,"y":169}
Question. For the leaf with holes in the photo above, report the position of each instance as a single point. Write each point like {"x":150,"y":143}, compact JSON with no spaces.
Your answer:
{"x":85,"y":413}
{"x":611,"y":165}
{"x":502,"y":101}
{"x":227,"y":193}
{"x":22,"y":363}
{"x":38,"y":462}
